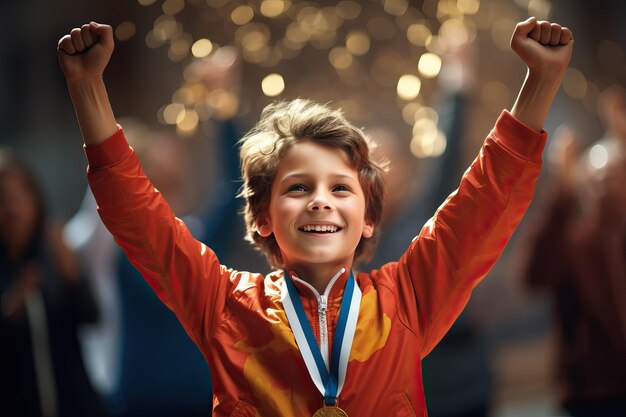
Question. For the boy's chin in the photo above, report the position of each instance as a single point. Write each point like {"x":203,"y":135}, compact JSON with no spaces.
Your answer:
{"x":323,"y":259}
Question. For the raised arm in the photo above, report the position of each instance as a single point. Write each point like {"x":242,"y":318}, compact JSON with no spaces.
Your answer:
{"x":185,"y":274}
{"x":546,"y":49}
{"x":460,"y":244}
{"x":83,"y":55}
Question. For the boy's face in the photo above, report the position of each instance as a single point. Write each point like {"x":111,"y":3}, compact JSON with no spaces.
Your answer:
{"x":317,"y":208}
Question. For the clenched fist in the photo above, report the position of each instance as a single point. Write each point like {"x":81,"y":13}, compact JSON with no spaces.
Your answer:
{"x":542,"y":45}
{"x":85,"y":51}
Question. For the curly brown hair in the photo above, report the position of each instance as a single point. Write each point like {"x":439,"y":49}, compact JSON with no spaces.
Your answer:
{"x":283,"y":124}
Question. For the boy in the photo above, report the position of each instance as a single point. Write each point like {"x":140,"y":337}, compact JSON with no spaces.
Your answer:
{"x":318,"y":339}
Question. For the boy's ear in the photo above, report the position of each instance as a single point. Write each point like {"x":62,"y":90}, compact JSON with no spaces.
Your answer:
{"x":368,"y":229}
{"x":264,"y":224}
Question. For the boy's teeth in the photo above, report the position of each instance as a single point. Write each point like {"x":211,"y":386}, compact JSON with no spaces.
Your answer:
{"x":320,"y":228}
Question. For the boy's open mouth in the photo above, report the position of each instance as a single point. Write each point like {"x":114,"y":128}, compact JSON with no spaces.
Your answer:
{"x":319,"y":228}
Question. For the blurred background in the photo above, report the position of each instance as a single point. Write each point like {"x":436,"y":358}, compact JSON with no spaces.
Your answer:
{"x":200,"y":71}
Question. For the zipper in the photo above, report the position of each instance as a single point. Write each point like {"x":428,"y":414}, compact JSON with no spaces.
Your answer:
{"x":322,"y":307}
{"x":322,"y":304}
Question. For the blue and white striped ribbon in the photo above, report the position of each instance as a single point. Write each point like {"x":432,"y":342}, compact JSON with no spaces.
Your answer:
{"x":328,"y":383}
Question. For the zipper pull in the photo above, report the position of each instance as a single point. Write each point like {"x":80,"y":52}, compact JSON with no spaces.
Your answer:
{"x":322,"y":304}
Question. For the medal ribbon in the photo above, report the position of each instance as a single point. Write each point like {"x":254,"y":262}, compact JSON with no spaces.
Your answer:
{"x":328,"y":383}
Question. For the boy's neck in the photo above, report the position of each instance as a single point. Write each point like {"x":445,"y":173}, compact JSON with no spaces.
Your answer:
{"x":318,"y":276}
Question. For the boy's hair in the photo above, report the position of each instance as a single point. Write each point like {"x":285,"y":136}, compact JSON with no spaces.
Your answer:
{"x":284,"y":124}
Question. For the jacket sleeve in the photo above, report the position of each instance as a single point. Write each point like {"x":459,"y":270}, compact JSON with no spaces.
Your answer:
{"x":185,"y":274}
{"x":462,"y":241}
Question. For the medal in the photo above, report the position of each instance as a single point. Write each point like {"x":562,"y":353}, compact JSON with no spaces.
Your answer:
{"x":330,"y":411}
{"x":327,"y":377}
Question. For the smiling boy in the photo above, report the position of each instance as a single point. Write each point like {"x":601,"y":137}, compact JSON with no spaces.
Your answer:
{"x":315,"y":337}
{"x":313,"y":193}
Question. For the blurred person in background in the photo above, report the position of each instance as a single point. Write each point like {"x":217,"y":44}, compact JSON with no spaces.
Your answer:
{"x":577,"y":253}
{"x":43,"y":300}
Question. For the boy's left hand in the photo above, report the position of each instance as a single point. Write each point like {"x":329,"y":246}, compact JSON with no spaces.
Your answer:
{"x":543,"y":46}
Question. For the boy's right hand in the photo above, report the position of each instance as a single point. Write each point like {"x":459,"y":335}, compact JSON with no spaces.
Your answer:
{"x":543,"y":46}
{"x":85,"y":51}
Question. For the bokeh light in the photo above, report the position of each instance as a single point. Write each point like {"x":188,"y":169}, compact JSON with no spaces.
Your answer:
{"x":179,"y":48}
{"x":187,"y":122}
{"x":395,"y":7}
{"x":242,"y":15}
{"x":598,"y":156}
{"x":468,"y":7}
{"x":429,"y":65}
{"x":358,"y":42}
{"x":408,"y":87}
{"x":171,"y":113}
{"x":125,"y":30}
{"x":409,"y":112}
{"x":272,"y":85}
{"x":348,"y":9}
{"x":172,"y":7}
{"x":273,"y":8}
{"x":430,"y":143}
{"x":340,"y":57}
{"x":201,"y":48}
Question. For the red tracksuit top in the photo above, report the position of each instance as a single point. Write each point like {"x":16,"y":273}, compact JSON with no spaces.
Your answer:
{"x":237,"y":318}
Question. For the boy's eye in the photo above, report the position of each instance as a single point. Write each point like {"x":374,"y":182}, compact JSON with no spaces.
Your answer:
{"x":297,"y":188}
{"x":341,"y":187}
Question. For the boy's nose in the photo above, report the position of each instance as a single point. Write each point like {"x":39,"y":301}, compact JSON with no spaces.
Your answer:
{"x":318,"y":207}
{"x":319,"y":203}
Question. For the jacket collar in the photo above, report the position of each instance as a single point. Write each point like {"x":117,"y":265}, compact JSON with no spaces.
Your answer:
{"x":333,"y":290}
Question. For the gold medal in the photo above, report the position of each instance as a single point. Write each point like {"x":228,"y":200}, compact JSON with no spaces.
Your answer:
{"x":330,"y":411}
